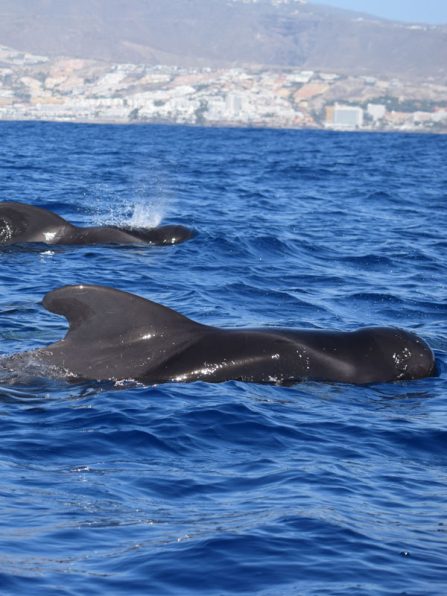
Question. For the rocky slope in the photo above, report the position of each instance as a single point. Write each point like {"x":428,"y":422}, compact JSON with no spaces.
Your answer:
{"x":271,"y":33}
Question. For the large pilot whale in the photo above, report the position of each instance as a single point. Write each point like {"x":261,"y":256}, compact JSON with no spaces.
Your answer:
{"x":114,"y":335}
{"x":20,"y":223}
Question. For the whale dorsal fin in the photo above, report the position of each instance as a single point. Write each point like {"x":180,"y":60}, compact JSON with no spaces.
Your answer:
{"x":105,"y":316}
{"x":27,"y":223}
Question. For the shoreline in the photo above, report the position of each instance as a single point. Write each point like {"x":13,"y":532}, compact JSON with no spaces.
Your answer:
{"x":226,"y":125}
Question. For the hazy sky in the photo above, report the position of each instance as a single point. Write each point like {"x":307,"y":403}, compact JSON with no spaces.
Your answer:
{"x":423,"y":11}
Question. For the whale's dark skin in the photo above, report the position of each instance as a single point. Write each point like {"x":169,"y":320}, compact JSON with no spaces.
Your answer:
{"x":114,"y":335}
{"x":20,"y":223}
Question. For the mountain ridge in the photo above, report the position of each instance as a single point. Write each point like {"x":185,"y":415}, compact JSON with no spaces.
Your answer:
{"x":225,"y":33}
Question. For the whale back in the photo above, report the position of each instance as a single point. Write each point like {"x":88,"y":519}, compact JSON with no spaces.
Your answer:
{"x":27,"y":223}
{"x":114,"y":335}
{"x":163,"y":235}
{"x":168,"y":234}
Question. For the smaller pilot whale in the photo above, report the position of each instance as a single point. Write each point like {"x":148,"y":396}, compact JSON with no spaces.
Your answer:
{"x":114,"y":335}
{"x":20,"y":223}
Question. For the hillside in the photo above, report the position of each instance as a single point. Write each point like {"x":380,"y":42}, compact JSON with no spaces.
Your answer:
{"x":224,"y":33}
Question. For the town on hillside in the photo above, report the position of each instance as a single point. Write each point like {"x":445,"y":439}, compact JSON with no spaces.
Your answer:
{"x":76,"y":90}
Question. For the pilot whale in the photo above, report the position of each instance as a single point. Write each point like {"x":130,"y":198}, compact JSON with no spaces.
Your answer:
{"x":114,"y":335}
{"x":20,"y":223}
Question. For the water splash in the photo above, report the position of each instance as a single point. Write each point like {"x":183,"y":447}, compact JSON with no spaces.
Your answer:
{"x":147,"y":215}
{"x":139,"y":213}
{"x":143,"y":207}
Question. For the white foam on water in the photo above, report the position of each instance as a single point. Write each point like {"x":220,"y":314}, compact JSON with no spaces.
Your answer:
{"x":25,"y":367}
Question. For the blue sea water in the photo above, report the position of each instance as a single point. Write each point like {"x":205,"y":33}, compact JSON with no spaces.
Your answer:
{"x":229,"y":488}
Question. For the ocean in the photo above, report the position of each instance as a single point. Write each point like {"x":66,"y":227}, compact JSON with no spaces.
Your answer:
{"x":229,"y":488}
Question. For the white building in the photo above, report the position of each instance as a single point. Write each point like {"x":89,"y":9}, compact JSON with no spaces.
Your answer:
{"x":303,"y":76}
{"x":377,"y":111}
{"x":347,"y":117}
{"x":234,"y":104}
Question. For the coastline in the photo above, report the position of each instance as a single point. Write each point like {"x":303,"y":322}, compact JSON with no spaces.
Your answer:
{"x":225,"y":125}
